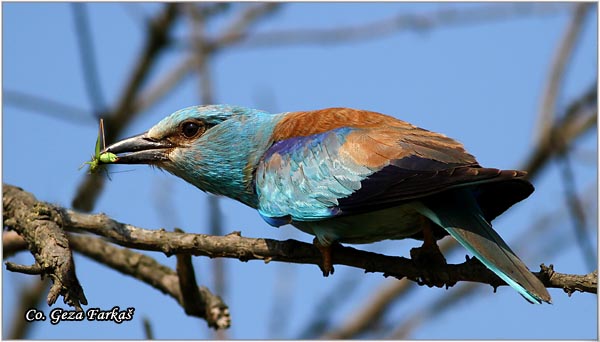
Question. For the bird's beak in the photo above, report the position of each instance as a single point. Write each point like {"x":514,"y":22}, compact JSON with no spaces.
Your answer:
{"x":140,"y":149}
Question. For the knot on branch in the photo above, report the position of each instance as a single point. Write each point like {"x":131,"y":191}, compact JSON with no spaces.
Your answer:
{"x":546,"y":273}
{"x":217,"y":314}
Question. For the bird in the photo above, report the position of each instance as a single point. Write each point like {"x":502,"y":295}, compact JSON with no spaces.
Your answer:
{"x":343,"y":175}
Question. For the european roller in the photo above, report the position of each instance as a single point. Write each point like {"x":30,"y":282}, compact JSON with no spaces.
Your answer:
{"x":343,"y":175}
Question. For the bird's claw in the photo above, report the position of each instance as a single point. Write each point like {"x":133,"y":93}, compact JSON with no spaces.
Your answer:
{"x":327,"y":265}
{"x":429,"y":259}
{"x":428,"y":256}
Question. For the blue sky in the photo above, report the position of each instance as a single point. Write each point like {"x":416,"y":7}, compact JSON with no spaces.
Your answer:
{"x":479,"y":83}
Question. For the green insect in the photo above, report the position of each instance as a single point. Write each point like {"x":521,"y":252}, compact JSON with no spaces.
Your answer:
{"x":100,"y":158}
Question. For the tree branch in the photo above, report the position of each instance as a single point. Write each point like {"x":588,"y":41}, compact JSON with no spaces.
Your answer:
{"x":148,"y":333}
{"x":557,"y":70}
{"x":323,"y":313}
{"x":371,"y":312}
{"x":196,"y":301}
{"x":548,"y":135}
{"x":30,"y":296}
{"x":576,"y":212}
{"x":87,"y":56}
{"x":396,"y":23}
{"x":576,"y":121}
{"x":165,"y":85}
{"x":235,"y":246}
{"x":41,"y":227}
{"x":238,"y":29}
{"x":12,"y":243}
{"x":46,"y":106}
{"x":204,"y":305}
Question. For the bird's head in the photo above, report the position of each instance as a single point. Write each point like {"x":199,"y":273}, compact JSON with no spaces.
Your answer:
{"x":213,"y":147}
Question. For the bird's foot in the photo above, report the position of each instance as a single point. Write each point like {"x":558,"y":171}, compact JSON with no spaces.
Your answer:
{"x":430,"y":259}
{"x":428,"y":256}
{"x":327,"y":265}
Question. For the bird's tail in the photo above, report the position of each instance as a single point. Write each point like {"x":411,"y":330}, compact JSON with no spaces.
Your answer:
{"x":457,"y":212}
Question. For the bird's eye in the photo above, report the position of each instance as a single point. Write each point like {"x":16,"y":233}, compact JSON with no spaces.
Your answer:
{"x":190,"y":129}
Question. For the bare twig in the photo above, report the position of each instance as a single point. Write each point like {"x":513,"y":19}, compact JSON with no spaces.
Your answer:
{"x":373,"y":311}
{"x":190,"y":298}
{"x":177,"y":74}
{"x":238,"y":29}
{"x":323,"y":312}
{"x":146,"y":269}
{"x":420,"y":316}
{"x":396,"y":23}
{"x":12,"y":243}
{"x":29,"y":296}
{"x":88,"y":59}
{"x":193,"y":301}
{"x":582,"y":115}
{"x":164,"y":85}
{"x":203,"y":47}
{"x":201,"y":53}
{"x":576,"y":212}
{"x":148,"y":333}
{"x":52,"y":108}
{"x":557,"y":70}
{"x":576,"y":121}
{"x":157,"y":38}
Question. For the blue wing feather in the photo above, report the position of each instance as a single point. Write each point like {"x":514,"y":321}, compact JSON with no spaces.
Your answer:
{"x":304,"y":177}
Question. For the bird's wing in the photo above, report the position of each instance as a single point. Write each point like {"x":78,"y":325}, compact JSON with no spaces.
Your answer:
{"x":335,"y":162}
